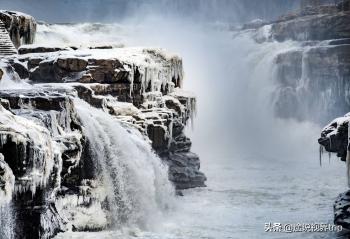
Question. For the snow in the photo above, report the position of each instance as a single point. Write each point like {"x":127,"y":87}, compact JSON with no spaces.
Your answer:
{"x":40,"y":160}
{"x":332,"y":127}
{"x":11,"y":80}
{"x":157,"y":67}
{"x":7,"y":182}
{"x":83,"y":212}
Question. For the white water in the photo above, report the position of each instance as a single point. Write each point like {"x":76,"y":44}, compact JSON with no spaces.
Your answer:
{"x":260,"y":169}
{"x":7,"y":181}
{"x":135,"y":179}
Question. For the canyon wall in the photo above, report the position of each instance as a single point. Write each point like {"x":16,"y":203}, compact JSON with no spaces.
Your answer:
{"x":53,"y":170}
{"x":313,"y":77}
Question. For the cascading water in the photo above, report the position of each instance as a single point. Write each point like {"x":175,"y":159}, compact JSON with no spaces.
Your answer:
{"x":261,"y":168}
{"x":260,"y":159}
{"x":136,"y":181}
{"x":7,"y":180}
{"x":6,"y":221}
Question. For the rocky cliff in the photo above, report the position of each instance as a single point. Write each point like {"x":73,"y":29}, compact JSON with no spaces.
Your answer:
{"x":312,"y":76}
{"x":316,"y":65}
{"x":335,"y":139}
{"x":48,"y":172}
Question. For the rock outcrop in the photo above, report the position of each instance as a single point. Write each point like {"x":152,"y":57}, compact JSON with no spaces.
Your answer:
{"x":20,"y":26}
{"x":47,"y":169}
{"x":317,"y":66}
{"x":314,"y":72}
{"x":312,"y":77}
{"x":313,"y":27}
{"x":335,"y":139}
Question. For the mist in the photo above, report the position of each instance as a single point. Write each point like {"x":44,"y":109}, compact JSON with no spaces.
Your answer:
{"x":260,"y":167}
{"x":111,"y":11}
{"x":230,"y":87}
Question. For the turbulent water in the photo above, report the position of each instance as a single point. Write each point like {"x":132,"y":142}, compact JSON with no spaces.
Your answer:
{"x":260,"y":169}
{"x":136,"y":181}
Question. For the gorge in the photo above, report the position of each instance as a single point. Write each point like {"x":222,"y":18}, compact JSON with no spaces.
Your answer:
{"x":95,"y":130}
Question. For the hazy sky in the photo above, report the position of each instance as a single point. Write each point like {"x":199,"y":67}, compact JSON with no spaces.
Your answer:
{"x":112,"y":10}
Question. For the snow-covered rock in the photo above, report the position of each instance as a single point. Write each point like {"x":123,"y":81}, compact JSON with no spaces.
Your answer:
{"x":65,"y":154}
{"x":21,"y":27}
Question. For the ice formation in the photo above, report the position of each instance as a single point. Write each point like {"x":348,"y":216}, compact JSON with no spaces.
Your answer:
{"x":136,"y":181}
{"x":7,"y":182}
{"x":21,"y":27}
{"x":81,"y":168}
{"x":155,"y":69}
{"x":31,"y":140}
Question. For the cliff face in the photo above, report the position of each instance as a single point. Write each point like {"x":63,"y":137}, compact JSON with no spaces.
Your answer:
{"x":317,"y":66}
{"x":49,"y":169}
{"x":313,"y":76}
{"x":335,"y":139}
{"x":313,"y":79}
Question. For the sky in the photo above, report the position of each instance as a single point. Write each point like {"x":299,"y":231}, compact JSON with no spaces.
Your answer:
{"x":64,"y":11}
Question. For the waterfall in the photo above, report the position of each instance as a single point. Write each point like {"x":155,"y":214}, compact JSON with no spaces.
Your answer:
{"x":6,"y":221}
{"x":136,"y":181}
{"x":7,"y":180}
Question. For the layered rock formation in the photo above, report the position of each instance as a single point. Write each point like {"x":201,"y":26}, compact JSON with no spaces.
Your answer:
{"x":313,"y":76}
{"x":47,"y":169}
{"x":313,"y":79}
{"x":21,"y":27}
{"x":316,"y":66}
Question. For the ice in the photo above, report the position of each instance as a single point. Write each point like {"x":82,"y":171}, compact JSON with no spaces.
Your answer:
{"x":135,"y":179}
{"x":40,"y":157}
{"x":156,"y":67}
{"x":7,"y":182}
{"x":10,"y":79}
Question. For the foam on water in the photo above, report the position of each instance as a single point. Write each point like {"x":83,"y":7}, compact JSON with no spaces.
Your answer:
{"x":136,"y":181}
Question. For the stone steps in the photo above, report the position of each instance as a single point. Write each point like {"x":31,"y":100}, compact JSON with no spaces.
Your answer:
{"x":6,"y":46}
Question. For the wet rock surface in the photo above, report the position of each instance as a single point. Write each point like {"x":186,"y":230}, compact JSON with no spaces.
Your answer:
{"x":313,"y":27}
{"x":312,"y":77}
{"x":42,"y":144}
{"x":317,"y":66}
{"x":341,"y":210}
{"x":335,"y":139}
{"x":317,"y":72}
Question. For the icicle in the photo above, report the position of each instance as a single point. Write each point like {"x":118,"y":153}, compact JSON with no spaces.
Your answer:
{"x":135,"y":179}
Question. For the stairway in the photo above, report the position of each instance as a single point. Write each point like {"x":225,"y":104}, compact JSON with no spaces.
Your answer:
{"x":6,"y":46}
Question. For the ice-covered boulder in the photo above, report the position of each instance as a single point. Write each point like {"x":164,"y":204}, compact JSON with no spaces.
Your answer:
{"x":334,"y":136}
{"x":335,"y":139}
{"x":138,"y":87}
